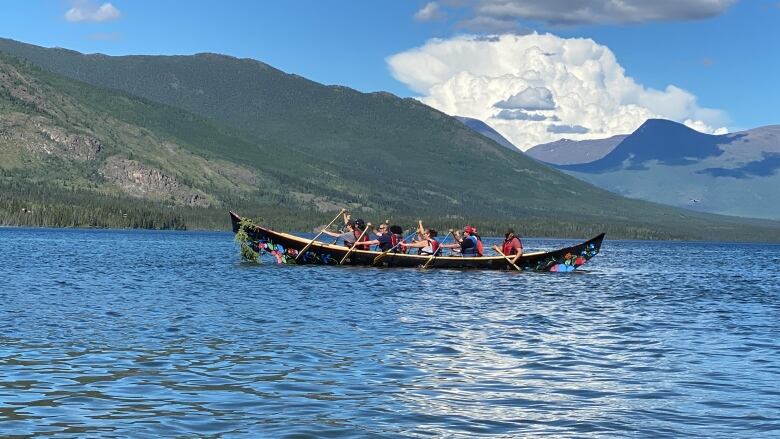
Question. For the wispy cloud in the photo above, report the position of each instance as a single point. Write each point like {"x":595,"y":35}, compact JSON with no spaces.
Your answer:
{"x":523,"y":115}
{"x":502,"y":16}
{"x":574,"y":12}
{"x":430,"y":12}
{"x":567,"y":129}
{"x":89,"y":11}
{"x":492,"y":25}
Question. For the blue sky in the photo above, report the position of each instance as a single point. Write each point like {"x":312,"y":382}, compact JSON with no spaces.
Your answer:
{"x":727,"y":58}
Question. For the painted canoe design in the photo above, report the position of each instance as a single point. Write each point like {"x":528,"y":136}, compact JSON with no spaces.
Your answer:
{"x":285,"y":247}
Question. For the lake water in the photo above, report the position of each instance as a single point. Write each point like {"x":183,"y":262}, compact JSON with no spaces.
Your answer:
{"x":148,"y":334}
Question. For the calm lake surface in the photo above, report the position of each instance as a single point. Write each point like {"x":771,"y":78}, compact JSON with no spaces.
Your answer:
{"x":148,"y":334}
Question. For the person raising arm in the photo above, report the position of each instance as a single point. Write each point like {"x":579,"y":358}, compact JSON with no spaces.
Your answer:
{"x":428,"y":245}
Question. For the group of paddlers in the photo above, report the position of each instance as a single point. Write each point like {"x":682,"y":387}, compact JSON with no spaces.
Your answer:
{"x":423,"y":241}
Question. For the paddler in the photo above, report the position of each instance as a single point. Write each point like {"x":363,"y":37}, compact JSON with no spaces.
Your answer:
{"x":359,"y":233}
{"x":428,"y":245}
{"x":470,"y":244}
{"x":512,"y":245}
{"x":383,"y":238}
{"x":354,"y":231}
{"x":347,"y":237}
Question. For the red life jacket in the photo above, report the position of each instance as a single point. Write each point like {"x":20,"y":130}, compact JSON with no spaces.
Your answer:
{"x":508,"y":248}
{"x":480,"y":246}
{"x":358,"y":238}
{"x":434,"y":245}
{"x":394,"y":240}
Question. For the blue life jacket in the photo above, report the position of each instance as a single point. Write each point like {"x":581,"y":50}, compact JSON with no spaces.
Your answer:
{"x":471,"y":251}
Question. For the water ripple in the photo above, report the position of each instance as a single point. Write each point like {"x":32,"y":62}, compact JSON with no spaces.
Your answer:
{"x":153,"y":334}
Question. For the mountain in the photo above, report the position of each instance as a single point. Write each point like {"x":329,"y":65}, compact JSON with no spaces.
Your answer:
{"x":570,"y":152}
{"x":485,"y":129}
{"x":327,"y":147}
{"x":76,"y":155}
{"x":667,"y":162}
{"x":660,"y":141}
{"x":176,"y":141}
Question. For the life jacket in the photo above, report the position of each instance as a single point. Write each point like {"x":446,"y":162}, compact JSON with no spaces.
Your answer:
{"x":431,"y":249}
{"x":357,"y":234}
{"x":473,"y":250}
{"x":507,"y":248}
{"x":394,"y":242}
{"x":480,"y":246}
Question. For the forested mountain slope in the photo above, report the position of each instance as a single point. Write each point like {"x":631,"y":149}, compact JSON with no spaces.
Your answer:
{"x":285,"y":149}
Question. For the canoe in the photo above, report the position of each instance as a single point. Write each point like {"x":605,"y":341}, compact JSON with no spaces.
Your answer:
{"x":285,"y":248}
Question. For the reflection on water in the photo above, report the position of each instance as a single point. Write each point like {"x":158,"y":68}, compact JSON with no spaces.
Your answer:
{"x":109,"y":333}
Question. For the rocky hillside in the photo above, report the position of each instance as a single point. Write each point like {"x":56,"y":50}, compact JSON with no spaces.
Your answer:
{"x":59,"y":135}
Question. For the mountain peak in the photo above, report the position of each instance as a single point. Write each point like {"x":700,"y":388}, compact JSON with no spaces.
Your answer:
{"x":667,"y":126}
{"x":664,"y":141}
{"x":571,"y":152}
{"x":487,"y":131}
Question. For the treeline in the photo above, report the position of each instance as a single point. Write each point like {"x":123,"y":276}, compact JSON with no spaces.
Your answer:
{"x":34,"y":206}
{"x":306,"y":221}
{"x":45,"y":206}
{"x":28,"y":204}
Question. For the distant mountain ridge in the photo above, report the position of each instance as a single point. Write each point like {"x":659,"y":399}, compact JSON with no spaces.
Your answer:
{"x":571,"y":152}
{"x":663,"y":141}
{"x":200,"y":134}
{"x":487,"y":131}
{"x":667,"y":162}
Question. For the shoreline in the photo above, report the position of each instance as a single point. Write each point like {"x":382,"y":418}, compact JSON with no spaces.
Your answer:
{"x":304,"y":234}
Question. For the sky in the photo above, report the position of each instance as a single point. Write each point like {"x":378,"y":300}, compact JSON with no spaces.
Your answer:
{"x":535,"y":70}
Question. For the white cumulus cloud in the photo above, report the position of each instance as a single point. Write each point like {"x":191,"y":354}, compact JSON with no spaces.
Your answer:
{"x":554,"y":87}
{"x":532,"y":98}
{"x":89,"y":11}
{"x":703,"y":127}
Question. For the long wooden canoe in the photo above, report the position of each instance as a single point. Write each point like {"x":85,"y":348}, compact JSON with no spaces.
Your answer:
{"x":286,"y":247}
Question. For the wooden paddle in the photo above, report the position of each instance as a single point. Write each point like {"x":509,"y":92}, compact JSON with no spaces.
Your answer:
{"x":357,"y":242}
{"x":384,"y":253}
{"x":433,"y":256}
{"x":498,"y":250}
{"x":318,"y":235}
